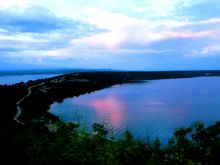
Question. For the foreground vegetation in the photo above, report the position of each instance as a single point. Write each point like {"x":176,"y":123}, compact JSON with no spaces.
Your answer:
{"x":56,"y":142}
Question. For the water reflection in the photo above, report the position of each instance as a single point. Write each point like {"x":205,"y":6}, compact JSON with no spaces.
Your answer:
{"x":158,"y":106}
{"x":110,"y":107}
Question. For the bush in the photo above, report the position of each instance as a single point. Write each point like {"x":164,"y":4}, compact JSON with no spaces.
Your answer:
{"x":70,"y":145}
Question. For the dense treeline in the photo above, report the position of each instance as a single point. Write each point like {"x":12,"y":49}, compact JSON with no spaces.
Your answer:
{"x":64,"y":143}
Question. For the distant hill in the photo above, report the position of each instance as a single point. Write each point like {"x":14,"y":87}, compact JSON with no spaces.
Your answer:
{"x":50,"y":71}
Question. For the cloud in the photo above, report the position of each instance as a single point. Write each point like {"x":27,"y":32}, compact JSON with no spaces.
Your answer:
{"x":199,"y":9}
{"x":9,"y":3}
{"x":39,"y":20}
{"x":31,"y":31}
{"x":103,"y":31}
{"x":190,"y":34}
{"x":207,"y":51}
{"x":128,"y":32}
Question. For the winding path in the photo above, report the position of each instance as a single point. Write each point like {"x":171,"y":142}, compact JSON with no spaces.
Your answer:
{"x":19,"y":110}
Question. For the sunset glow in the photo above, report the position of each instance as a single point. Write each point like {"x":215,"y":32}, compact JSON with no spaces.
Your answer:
{"x":110,"y":107}
{"x":125,"y":35}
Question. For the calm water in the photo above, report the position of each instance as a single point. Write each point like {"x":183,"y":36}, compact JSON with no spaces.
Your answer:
{"x":6,"y":79}
{"x":156,"y":107}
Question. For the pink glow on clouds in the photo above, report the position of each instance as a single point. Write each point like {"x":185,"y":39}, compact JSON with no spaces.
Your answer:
{"x":124,"y":29}
{"x":113,"y":40}
{"x":190,"y":34}
{"x":110,"y":106}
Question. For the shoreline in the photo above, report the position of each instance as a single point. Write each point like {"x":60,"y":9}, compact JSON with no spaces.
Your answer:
{"x":56,"y":89}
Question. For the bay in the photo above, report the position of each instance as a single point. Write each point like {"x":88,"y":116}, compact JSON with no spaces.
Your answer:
{"x":155,"y":108}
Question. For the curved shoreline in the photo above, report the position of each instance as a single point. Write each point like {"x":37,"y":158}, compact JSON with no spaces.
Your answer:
{"x":69,"y":85}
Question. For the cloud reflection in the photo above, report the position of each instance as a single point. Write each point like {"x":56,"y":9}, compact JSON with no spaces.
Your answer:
{"x":110,"y":107}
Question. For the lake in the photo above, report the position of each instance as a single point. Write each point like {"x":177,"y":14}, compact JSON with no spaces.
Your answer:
{"x":12,"y":79}
{"x":154,"y":107}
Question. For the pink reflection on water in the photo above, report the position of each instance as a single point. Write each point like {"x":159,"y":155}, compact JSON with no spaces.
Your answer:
{"x":110,"y":107}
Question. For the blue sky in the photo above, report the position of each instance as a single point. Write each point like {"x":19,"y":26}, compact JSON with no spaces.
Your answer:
{"x":128,"y":35}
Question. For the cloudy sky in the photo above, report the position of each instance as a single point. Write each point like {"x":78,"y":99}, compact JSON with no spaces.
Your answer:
{"x":117,"y":34}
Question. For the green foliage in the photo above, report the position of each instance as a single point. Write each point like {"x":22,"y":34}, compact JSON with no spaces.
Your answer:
{"x":64,"y":143}
{"x":99,"y":130}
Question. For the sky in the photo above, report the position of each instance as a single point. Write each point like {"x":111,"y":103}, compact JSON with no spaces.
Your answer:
{"x":115,"y":34}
